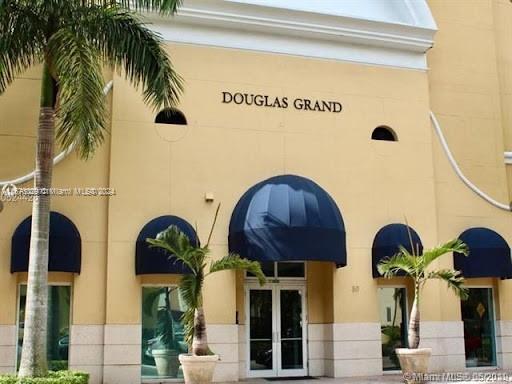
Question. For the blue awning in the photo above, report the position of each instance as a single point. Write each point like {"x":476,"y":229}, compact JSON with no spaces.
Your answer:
{"x":152,"y":260}
{"x":489,"y":255}
{"x":287,"y":218}
{"x":65,"y":245}
{"x":387,"y":241}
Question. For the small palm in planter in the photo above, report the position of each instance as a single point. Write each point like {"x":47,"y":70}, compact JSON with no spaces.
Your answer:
{"x":414,"y":360}
{"x":198,"y":366}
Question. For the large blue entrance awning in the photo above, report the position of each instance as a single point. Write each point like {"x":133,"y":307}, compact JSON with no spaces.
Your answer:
{"x":387,"y":241}
{"x":64,"y":249}
{"x":489,"y":255}
{"x":153,"y":260}
{"x":287,"y":218}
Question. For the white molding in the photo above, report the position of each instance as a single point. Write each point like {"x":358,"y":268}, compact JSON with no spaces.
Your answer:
{"x":258,"y":27}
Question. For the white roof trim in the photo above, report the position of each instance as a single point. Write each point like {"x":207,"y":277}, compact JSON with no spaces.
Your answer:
{"x":241,"y":25}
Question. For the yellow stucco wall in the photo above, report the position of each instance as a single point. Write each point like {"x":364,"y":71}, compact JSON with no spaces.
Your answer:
{"x":19,"y":113}
{"x":468,"y":89}
{"x":226,"y":148}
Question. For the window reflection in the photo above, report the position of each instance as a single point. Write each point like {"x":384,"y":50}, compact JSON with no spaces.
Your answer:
{"x":393,"y":320}
{"x":58,"y":325}
{"x":478,"y":318}
{"x":163,"y":336}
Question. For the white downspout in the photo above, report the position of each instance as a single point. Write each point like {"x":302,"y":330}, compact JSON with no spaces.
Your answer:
{"x":459,"y":173}
{"x":61,"y":156}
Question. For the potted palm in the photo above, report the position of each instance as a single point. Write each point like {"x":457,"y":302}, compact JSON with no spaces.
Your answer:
{"x":414,"y":360}
{"x":199,"y":364}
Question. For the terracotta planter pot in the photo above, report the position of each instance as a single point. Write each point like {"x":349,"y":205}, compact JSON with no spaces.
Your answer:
{"x":166,"y":362}
{"x":414,"y":363}
{"x":198,"y":369}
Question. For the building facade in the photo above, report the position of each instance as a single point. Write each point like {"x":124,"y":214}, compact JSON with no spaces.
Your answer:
{"x":311,"y":123}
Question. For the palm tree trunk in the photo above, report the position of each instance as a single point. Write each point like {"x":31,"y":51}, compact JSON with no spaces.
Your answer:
{"x":414,"y":322}
{"x":33,"y":356}
{"x":200,"y":340}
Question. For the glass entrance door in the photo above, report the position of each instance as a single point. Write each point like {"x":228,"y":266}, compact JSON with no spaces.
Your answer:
{"x":479,"y":337}
{"x":276,"y":331}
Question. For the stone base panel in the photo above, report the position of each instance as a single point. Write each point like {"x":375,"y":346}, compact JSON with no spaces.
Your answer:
{"x":111,"y":354}
{"x":504,"y":343}
{"x":357,"y":349}
{"x":320,"y":350}
{"x":446,"y":338}
{"x":7,"y":348}
{"x":86,"y":350}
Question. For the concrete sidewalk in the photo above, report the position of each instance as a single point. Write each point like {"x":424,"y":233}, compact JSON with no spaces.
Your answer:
{"x":488,"y":376}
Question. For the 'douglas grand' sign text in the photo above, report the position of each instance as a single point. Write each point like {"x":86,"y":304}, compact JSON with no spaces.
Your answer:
{"x":299,"y":103}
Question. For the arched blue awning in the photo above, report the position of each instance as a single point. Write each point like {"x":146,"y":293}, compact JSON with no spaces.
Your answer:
{"x":152,"y":260}
{"x":387,"y":241}
{"x":65,"y":245}
{"x":286,"y":218}
{"x":489,"y":255}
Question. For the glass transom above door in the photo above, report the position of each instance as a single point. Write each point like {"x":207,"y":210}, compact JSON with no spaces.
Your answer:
{"x":276,"y":331}
{"x":284,"y":269}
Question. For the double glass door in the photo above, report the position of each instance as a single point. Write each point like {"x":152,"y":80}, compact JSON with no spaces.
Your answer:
{"x":276,"y":331}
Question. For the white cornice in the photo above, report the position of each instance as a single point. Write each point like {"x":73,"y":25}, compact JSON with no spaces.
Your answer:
{"x":241,"y":25}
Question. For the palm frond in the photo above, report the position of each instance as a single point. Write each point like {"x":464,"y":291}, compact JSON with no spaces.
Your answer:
{"x":21,"y":40}
{"x":177,"y":244}
{"x":165,"y":7}
{"x":454,"y":245}
{"x":126,"y":43}
{"x":81,"y":110}
{"x":403,"y":261}
{"x":454,"y":280}
{"x":235,"y":262}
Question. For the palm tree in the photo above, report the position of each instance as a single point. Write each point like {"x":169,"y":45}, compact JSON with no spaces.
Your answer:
{"x":72,"y":39}
{"x":195,"y":258}
{"x":417,"y":267}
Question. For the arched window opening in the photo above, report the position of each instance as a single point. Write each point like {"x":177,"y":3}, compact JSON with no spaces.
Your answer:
{"x":171,"y":116}
{"x":384,"y":133}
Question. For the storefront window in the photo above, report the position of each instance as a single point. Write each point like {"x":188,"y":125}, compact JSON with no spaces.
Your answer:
{"x":162,"y":332}
{"x":58,"y":325}
{"x":478,"y":318}
{"x":393,"y":320}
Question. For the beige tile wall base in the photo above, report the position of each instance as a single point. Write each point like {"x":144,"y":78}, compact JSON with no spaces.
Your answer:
{"x":121,"y":355}
{"x":86,"y":350}
{"x":504,"y":343}
{"x":356,"y":349}
{"x":242,"y":353}
{"x":7,"y":348}
{"x":446,"y":338}
{"x":320,"y":350}
{"x":223,"y":340}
